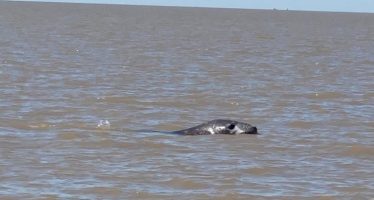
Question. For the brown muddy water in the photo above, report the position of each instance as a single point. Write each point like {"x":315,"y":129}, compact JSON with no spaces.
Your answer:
{"x":305,"y":79}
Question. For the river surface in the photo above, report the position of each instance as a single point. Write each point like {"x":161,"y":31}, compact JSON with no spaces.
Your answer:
{"x":77,"y":81}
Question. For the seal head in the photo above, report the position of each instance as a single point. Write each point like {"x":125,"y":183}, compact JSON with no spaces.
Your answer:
{"x":220,"y":126}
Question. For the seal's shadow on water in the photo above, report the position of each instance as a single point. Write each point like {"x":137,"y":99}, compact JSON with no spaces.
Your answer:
{"x":217,"y":126}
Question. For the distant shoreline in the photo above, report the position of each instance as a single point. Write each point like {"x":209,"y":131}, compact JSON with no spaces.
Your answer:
{"x":176,"y":6}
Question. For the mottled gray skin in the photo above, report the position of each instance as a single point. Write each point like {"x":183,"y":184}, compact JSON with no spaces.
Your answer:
{"x":219,"y":126}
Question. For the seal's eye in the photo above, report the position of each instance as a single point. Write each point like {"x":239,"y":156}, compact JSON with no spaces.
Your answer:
{"x":231,"y":126}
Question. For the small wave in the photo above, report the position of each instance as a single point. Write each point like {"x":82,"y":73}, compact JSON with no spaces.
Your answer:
{"x":301,"y":124}
{"x":359,"y":150}
{"x":326,"y":95}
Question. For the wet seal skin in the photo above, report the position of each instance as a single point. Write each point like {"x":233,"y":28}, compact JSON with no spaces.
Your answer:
{"x":219,"y":126}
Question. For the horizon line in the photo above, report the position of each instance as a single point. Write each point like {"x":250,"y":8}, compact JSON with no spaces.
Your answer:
{"x":96,"y":2}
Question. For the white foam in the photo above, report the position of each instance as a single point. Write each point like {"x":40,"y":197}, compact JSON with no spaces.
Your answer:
{"x":103,"y":124}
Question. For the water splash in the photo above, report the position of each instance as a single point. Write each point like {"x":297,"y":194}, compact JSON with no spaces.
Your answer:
{"x":103,"y":124}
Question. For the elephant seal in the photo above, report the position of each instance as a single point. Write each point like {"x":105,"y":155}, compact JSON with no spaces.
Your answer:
{"x":219,"y":126}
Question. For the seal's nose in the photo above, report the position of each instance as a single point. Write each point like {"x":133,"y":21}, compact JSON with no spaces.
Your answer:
{"x":253,"y":130}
